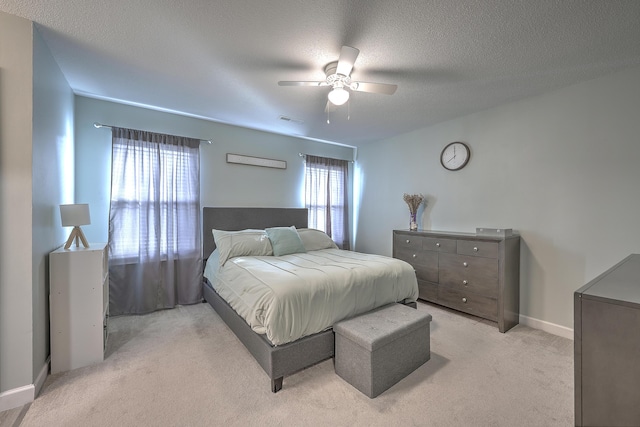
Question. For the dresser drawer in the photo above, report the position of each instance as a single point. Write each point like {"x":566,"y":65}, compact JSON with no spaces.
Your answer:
{"x":475,"y":274}
{"x":407,"y":241}
{"x":469,"y":302}
{"x":417,"y":257}
{"x":439,"y":244}
{"x":427,"y":272}
{"x":424,"y":263}
{"x":428,"y":291}
{"x":477,"y":248}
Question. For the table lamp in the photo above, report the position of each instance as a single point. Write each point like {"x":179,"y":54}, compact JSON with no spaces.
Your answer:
{"x":75,"y":216}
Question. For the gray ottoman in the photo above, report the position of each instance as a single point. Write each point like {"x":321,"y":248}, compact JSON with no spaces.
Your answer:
{"x":377,"y":349}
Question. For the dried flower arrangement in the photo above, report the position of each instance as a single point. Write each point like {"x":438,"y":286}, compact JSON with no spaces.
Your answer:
{"x":413,"y":201}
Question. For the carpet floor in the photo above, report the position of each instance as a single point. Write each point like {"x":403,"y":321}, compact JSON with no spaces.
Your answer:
{"x":184,"y":367}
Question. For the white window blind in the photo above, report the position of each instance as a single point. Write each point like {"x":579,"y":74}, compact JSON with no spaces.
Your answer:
{"x":326,"y":197}
{"x":153,"y":188}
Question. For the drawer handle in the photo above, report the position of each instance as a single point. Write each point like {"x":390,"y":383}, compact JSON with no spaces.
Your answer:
{"x":414,"y":255}
{"x":438,"y":244}
{"x":464,"y":300}
{"x":408,"y":241}
{"x":475,"y":249}
{"x":464,"y":282}
{"x":465,"y":264}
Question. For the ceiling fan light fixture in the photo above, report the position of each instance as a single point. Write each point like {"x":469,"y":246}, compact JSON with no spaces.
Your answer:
{"x":338,"y":96}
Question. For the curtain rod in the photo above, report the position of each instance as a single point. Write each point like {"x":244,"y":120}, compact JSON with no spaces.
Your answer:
{"x":304,"y":156}
{"x":100,"y":125}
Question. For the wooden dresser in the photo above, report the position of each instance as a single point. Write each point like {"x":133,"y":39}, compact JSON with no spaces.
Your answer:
{"x":607,"y":347}
{"x":476,"y":274}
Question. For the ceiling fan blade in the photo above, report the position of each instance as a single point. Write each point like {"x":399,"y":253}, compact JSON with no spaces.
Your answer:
{"x":347,"y":58}
{"x":293,"y":83}
{"x":383,"y":88}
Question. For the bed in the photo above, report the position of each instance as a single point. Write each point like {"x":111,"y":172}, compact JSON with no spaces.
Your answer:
{"x":279,"y":353}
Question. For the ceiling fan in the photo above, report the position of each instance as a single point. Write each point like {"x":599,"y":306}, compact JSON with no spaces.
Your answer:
{"x":339,"y":79}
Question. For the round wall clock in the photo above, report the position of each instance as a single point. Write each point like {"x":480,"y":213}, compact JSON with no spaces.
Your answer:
{"x":455,"y":156}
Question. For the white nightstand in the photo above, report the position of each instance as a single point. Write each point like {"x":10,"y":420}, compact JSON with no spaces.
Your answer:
{"x":78,"y":305}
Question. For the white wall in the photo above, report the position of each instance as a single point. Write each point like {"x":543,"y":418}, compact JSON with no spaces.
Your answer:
{"x":36,"y":166}
{"x":15,"y":202}
{"x":561,"y":168}
{"x":221,"y":184}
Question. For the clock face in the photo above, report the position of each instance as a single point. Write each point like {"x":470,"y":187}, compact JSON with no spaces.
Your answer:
{"x":455,"y":156}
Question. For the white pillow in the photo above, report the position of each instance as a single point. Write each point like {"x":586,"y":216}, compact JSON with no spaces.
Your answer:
{"x":231,"y":244}
{"x":314,"y":240}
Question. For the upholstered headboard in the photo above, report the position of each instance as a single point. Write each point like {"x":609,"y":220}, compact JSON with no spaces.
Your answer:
{"x":233,"y":219}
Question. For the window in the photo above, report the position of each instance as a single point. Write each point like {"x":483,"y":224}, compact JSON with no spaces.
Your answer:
{"x":155,"y":257}
{"x":326,"y":197}
{"x":157,"y":180}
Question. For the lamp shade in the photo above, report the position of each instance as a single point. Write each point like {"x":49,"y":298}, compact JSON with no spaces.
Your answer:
{"x":73,"y":215}
{"x":338,"y":96}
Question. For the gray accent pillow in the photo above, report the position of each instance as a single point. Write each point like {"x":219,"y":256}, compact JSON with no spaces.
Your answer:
{"x":231,"y":244}
{"x":314,"y":240}
{"x":285,"y":240}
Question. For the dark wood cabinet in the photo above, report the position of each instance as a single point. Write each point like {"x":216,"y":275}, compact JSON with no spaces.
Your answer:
{"x":476,"y":274}
{"x":607,"y":347}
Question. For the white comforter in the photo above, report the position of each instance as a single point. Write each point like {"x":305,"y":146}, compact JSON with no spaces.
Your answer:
{"x":292,"y":296}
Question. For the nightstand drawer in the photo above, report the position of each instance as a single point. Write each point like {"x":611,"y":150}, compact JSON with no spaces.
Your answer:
{"x":476,"y":248}
{"x":469,"y":302}
{"x":439,"y":245}
{"x":475,"y":274}
{"x":105,"y":296}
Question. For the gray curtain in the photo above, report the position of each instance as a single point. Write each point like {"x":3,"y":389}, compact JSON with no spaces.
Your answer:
{"x":155,"y":257}
{"x":327,"y":198}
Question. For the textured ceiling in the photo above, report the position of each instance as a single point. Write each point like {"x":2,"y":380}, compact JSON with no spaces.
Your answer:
{"x":221,"y":60}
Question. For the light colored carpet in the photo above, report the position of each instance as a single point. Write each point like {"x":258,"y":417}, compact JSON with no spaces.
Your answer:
{"x":184,"y":367}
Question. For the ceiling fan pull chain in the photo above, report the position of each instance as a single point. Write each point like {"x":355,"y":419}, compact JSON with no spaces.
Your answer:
{"x":328,"y":121}
{"x":348,"y":110}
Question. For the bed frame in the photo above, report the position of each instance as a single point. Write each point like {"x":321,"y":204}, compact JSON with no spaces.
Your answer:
{"x":281,"y":360}
{"x":277,"y":361}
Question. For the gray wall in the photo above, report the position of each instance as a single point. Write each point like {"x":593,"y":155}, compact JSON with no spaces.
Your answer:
{"x":36,"y":171}
{"x":221,"y":184}
{"x":53,"y":183}
{"x":561,"y":168}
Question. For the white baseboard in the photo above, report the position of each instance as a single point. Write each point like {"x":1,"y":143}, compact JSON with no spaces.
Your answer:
{"x":552,"y":328}
{"x":42,"y":377}
{"x":26,"y":394}
{"x":17,"y":397}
